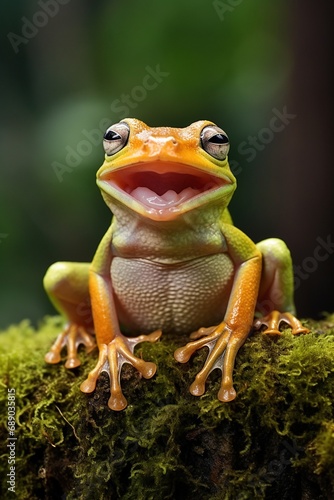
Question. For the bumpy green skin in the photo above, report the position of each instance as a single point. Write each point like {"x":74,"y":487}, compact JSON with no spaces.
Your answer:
{"x":276,"y":440}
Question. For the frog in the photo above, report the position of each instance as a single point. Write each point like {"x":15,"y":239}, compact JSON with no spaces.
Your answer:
{"x":172,"y":262}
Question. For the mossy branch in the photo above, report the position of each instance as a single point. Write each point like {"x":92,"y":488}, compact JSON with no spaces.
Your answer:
{"x":276,"y":440}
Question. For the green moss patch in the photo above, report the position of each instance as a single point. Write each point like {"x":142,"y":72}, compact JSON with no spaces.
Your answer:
{"x":276,"y":440}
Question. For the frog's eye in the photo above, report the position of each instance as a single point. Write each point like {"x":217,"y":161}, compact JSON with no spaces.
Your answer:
{"x":115,"y":138}
{"x":215,"y":142}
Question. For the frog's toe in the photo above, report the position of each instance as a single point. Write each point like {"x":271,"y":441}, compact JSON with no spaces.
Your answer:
{"x":117,"y":401}
{"x":227,"y":392}
{"x":52,"y":357}
{"x":223,"y":346}
{"x":197,"y":388}
{"x":273,"y":323}
{"x":72,"y":336}
{"x":111,"y":359}
{"x":202,"y":332}
{"x":201,"y":338}
{"x":73,"y":362}
{"x":89,"y":384}
{"x":183,"y":354}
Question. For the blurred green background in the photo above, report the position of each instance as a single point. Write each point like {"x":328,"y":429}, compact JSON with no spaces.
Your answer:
{"x":69,"y":66}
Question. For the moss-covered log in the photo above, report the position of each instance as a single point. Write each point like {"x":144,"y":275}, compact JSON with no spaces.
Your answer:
{"x":275,"y":441}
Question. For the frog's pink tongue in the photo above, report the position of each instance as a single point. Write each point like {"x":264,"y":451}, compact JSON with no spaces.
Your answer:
{"x":169,"y":199}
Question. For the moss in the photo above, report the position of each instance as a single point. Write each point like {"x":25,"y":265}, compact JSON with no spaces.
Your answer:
{"x":276,"y":440}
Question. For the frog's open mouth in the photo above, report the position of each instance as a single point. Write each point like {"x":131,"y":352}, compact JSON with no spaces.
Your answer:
{"x":160,"y":186}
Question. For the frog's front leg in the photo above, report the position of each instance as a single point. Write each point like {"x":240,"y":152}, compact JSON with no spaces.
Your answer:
{"x":114,"y":348}
{"x":225,"y":339}
{"x":67,"y":286}
{"x":275,"y":303}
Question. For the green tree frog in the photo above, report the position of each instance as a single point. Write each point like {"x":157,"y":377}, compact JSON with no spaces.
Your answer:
{"x":171,"y":261}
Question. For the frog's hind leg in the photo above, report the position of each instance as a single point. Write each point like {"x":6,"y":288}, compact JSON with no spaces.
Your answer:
{"x":66,"y":283}
{"x":275,"y":301}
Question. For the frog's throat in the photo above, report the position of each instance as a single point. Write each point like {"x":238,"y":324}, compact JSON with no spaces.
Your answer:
{"x":163,"y":190}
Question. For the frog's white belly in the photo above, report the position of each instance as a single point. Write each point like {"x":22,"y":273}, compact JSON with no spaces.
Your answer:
{"x":173,"y":297}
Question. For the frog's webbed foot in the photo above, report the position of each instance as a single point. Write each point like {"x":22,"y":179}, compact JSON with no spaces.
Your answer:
{"x":72,"y":336}
{"x":223,"y":343}
{"x":112,"y":356}
{"x":273,"y":321}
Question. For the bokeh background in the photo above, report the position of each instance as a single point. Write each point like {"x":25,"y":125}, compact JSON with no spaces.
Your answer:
{"x":68,"y":67}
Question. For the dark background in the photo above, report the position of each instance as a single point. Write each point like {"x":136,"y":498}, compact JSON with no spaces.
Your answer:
{"x":231,"y":62}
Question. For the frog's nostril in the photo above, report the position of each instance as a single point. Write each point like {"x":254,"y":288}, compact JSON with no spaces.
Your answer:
{"x":160,"y":145}
{"x":162,"y":140}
